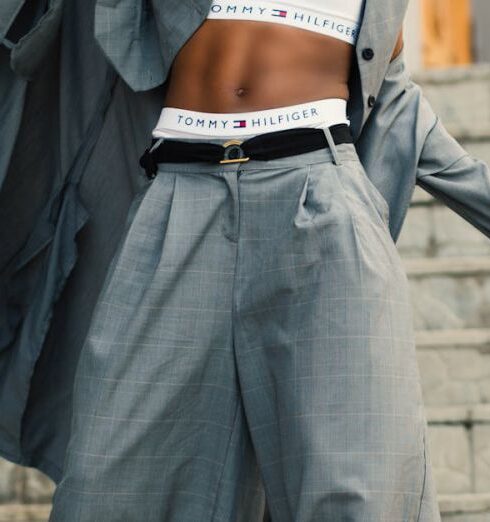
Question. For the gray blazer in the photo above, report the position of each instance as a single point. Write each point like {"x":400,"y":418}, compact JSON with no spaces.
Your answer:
{"x":81,"y":87}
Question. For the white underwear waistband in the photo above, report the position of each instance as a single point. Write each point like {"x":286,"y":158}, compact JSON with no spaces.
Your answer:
{"x":290,"y":13}
{"x":175,"y":122}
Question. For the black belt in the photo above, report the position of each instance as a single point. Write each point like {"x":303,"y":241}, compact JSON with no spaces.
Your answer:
{"x":265,"y":146}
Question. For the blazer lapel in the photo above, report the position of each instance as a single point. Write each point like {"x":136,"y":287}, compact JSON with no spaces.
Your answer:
{"x":9,"y":9}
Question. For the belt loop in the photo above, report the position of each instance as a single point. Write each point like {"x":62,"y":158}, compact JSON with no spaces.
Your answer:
{"x":148,"y":162}
{"x":332,"y":145}
{"x":157,"y":143}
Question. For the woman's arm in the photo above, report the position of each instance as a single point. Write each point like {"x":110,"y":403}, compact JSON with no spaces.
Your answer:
{"x":404,"y":136}
{"x":463,"y":185}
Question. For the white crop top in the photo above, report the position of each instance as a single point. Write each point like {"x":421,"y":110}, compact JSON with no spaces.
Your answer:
{"x":338,"y":18}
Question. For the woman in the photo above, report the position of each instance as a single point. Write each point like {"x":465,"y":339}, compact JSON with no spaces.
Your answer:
{"x":253,"y":340}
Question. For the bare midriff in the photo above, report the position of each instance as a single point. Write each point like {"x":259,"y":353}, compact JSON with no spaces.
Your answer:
{"x":247,"y":65}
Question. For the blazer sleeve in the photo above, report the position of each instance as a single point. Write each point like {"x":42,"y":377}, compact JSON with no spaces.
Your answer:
{"x":443,"y":168}
{"x":449,"y":173}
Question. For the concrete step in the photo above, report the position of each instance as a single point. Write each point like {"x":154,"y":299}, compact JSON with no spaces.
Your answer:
{"x":459,"y":447}
{"x":455,"y":369}
{"x":454,"y":377}
{"x":465,"y":415}
{"x":465,"y":507}
{"x":449,"y":293}
{"x":422,"y":197}
{"x":478,"y":147}
{"x":458,"y":266}
{"x":455,"y":374}
{"x":24,"y":512}
{"x":476,"y":338}
{"x":431,"y":229}
{"x":460,"y":96}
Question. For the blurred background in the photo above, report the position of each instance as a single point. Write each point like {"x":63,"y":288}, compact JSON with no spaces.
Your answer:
{"x":447,"y":45}
{"x":447,"y":49}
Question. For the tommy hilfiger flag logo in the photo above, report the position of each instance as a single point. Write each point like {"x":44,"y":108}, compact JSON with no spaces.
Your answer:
{"x":279,"y":12}
{"x":238,"y":124}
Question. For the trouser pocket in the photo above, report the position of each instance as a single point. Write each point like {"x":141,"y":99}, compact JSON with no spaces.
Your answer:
{"x":361,"y":188}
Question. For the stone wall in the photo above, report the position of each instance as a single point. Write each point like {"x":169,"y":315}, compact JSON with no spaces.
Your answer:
{"x":448,"y":263}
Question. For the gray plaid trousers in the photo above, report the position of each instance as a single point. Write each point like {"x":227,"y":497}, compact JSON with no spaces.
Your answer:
{"x":252,"y":346}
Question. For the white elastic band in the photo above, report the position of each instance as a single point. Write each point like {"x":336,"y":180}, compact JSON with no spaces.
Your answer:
{"x":286,"y":12}
{"x":175,"y":122}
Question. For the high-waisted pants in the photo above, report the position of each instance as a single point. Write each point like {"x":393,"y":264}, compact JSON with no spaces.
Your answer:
{"x":252,"y":345}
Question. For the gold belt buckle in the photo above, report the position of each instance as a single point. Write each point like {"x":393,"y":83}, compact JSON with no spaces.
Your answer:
{"x":232,"y":146}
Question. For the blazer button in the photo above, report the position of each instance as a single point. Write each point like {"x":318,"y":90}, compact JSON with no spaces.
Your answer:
{"x":367,"y":53}
{"x":371,"y":101}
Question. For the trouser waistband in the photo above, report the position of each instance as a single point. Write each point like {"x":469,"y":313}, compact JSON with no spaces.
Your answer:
{"x":266,"y":146}
{"x":181,"y":123}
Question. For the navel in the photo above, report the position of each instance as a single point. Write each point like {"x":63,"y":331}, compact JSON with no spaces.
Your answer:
{"x":241,"y":91}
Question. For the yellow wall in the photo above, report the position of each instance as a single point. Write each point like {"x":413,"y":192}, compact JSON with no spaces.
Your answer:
{"x":446,"y":32}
